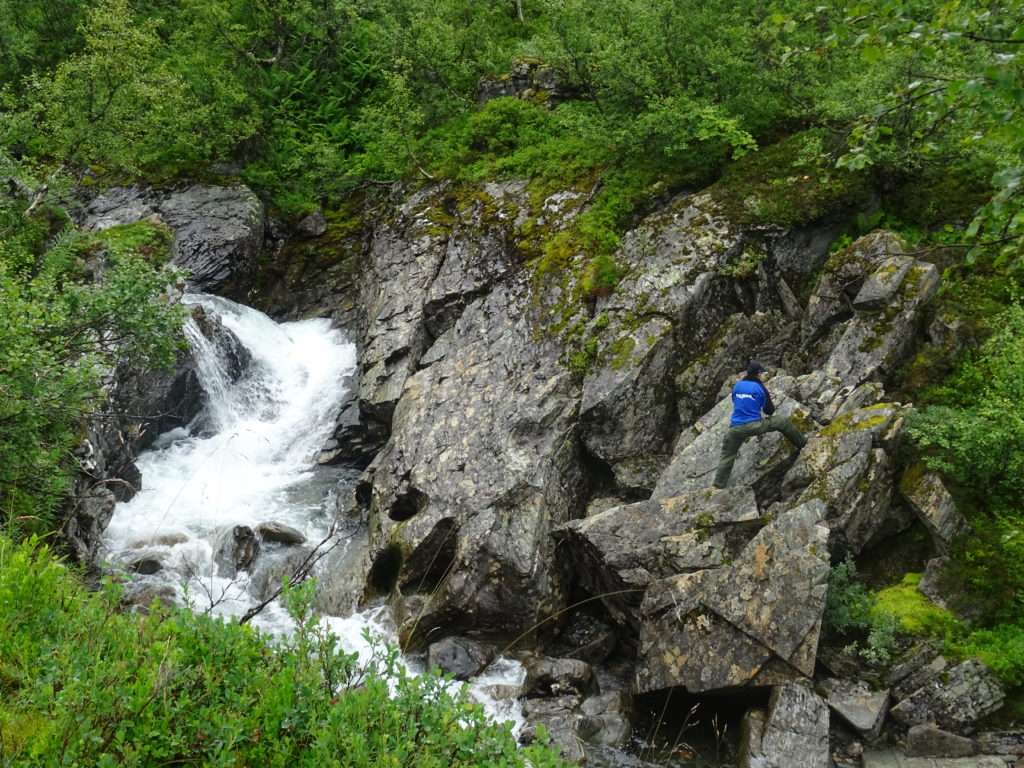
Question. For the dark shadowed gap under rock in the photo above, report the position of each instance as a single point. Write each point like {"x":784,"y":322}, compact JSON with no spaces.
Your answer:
{"x":677,"y":729}
{"x":431,"y":561}
{"x":383,"y":575}
{"x":408,"y":504}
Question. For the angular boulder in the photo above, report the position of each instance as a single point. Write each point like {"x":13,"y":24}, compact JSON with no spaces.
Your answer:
{"x":428,"y":258}
{"x":855,"y":702}
{"x":927,"y":495}
{"x":755,"y":621}
{"x":616,"y":554}
{"x":218,"y":230}
{"x":792,"y":734}
{"x":955,"y":700}
{"x":848,"y":466}
{"x":840,"y":281}
{"x":877,"y":341}
{"x":928,"y":740}
{"x":682,"y":272}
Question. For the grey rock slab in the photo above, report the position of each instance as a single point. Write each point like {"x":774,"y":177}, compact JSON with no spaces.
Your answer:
{"x":278,"y":533}
{"x":670,"y":300}
{"x":794,"y":734}
{"x":928,"y":740}
{"x":841,"y":279}
{"x":954,"y":700}
{"x":847,"y":466}
{"x":1001,"y":742}
{"x":560,"y":717}
{"x":926,"y":494}
{"x":874,"y":344}
{"x":627,"y":405}
{"x":755,"y":621}
{"x":615,"y":554}
{"x":606,"y":719}
{"x":882,"y":284}
{"x":482,"y":463}
{"x":857,"y":704}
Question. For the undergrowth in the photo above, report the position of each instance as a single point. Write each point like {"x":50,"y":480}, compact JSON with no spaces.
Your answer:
{"x":82,"y":683}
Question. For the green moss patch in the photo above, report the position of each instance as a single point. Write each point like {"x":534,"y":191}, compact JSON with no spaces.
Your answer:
{"x":916,"y":614}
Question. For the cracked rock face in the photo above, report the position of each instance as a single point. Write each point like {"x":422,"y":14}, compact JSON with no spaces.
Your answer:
{"x":481,"y":466}
{"x":616,"y":554}
{"x":218,"y":231}
{"x":954,"y":699}
{"x":846,"y":465}
{"x":792,"y":734}
{"x":755,"y":621}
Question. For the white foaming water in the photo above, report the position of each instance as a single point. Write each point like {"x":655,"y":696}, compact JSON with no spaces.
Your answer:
{"x":249,"y":459}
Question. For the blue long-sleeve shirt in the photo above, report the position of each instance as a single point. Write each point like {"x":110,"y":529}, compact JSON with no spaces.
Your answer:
{"x":749,"y":399}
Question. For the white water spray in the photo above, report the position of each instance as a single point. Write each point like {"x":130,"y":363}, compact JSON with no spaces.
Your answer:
{"x":249,"y":459}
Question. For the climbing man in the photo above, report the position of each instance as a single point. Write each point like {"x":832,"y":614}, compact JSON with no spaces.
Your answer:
{"x":753,"y":413}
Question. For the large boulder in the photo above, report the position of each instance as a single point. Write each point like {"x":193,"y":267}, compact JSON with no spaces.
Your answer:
{"x":218,"y":230}
{"x":685,"y":270}
{"x":854,"y":701}
{"x":755,"y":621}
{"x":792,"y":734}
{"x":885,"y":329}
{"x":482,"y":464}
{"x":841,"y":279}
{"x":955,"y":699}
{"x":616,"y":554}
{"x":459,"y":657}
{"x":428,"y":259}
{"x":849,"y":466}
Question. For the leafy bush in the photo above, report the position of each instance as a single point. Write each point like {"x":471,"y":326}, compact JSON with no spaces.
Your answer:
{"x":851,"y":611}
{"x":975,"y":436}
{"x":74,"y":306}
{"x":83,"y":684}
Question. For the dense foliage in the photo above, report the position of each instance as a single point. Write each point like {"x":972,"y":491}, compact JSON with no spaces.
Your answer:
{"x":82,"y":683}
{"x":308,"y":99}
{"x":74,"y":306}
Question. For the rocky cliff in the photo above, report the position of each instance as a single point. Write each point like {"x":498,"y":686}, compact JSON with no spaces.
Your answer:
{"x":538,"y":455}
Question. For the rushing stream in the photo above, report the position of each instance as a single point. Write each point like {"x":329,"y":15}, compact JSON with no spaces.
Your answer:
{"x":247,"y":460}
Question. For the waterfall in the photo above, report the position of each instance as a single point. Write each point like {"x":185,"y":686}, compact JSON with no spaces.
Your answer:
{"x":249,"y":459}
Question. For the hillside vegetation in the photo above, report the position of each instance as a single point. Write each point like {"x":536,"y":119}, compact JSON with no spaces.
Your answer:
{"x":903,"y":113}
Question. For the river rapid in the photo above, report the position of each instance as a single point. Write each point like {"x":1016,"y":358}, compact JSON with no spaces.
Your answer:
{"x":247,"y":460}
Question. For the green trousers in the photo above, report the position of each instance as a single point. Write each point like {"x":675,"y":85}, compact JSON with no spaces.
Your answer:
{"x":738,"y":435}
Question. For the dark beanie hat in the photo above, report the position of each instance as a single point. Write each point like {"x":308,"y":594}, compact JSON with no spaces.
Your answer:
{"x":754,"y":368}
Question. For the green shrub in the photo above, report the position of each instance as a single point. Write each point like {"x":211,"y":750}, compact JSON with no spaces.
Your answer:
{"x":850,"y":611}
{"x":1000,"y":647}
{"x":61,"y":329}
{"x":85,"y":684}
{"x":974,"y":435}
